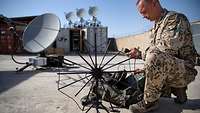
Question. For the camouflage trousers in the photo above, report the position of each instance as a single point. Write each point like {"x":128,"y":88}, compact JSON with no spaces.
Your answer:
{"x":162,"y":69}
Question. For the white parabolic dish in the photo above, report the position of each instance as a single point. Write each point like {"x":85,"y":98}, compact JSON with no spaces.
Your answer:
{"x":41,"y":33}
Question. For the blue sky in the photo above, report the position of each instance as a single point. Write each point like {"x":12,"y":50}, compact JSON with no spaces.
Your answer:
{"x":120,"y":16}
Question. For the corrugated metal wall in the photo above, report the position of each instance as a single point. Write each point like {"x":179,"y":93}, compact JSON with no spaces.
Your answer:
{"x":10,"y":43}
{"x":101,"y":38}
{"x":195,"y":26}
{"x":85,"y":38}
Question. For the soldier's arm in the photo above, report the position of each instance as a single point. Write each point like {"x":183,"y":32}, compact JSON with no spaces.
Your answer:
{"x":174,"y":34}
{"x":151,"y":44}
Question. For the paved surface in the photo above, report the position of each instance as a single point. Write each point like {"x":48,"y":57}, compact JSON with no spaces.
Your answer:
{"x":36,"y":91}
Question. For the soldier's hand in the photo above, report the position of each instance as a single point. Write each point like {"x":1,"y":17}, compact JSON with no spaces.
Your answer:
{"x":135,"y":53}
{"x":137,"y":71}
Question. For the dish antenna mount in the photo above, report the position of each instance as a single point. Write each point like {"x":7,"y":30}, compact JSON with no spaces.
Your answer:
{"x":93,"y":12}
{"x":41,"y":33}
{"x":69,"y":16}
{"x":81,"y":13}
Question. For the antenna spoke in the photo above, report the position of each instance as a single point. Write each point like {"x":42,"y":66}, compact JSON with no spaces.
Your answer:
{"x":89,"y":92}
{"x":85,"y":60}
{"x":77,"y":64}
{"x":95,"y":47}
{"x":101,"y":44}
{"x":75,"y":72}
{"x":89,"y":54}
{"x":119,"y":71}
{"x":109,"y":98}
{"x":89,"y":108}
{"x":83,"y":86}
{"x":117,"y":64}
{"x":111,"y":59}
{"x":105,"y":54}
{"x":73,"y":82}
{"x":89,"y":44}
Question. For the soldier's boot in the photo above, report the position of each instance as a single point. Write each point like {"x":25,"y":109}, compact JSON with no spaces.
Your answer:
{"x":180,"y":93}
{"x":142,"y":107}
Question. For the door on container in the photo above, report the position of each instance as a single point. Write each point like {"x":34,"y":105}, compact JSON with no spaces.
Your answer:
{"x":77,"y":40}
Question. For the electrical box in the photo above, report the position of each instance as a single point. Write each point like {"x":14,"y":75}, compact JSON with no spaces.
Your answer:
{"x":38,"y":61}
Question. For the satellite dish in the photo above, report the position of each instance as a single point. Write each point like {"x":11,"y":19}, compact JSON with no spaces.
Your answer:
{"x":41,"y":33}
{"x":93,"y":11}
{"x":69,"y":16}
{"x":80,"y":13}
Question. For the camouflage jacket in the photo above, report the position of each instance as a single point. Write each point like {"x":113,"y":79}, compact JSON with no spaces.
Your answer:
{"x":172,"y":35}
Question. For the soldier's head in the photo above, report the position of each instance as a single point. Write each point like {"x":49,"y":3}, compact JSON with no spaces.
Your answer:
{"x":149,"y":9}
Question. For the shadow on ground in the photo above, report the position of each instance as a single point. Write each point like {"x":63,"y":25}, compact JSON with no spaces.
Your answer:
{"x":168,"y":106}
{"x":9,"y":79}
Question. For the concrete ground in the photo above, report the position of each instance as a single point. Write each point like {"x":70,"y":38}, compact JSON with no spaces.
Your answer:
{"x":35,"y":91}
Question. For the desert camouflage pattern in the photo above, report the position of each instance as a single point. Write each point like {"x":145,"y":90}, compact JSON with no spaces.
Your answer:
{"x":170,"y":58}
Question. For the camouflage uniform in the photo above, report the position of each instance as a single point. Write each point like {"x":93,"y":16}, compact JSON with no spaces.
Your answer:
{"x":170,"y":58}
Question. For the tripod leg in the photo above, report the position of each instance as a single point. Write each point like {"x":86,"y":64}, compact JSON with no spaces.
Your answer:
{"x":24,"y":67}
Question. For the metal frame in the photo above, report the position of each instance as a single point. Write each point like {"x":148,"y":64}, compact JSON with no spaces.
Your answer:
{"x":95,"y":72}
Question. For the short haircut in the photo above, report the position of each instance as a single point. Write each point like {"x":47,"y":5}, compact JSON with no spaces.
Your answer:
{"x":138,"y":1}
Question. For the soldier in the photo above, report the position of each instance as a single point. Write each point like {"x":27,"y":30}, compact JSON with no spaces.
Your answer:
{"x":170,"y":58}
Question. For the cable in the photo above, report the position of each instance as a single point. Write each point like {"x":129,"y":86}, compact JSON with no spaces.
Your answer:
{"x":15,"y":35}
{"x":17,"y":61}
{"x":129,"y":64}
{"x":59,"y":71}
{"x":134,"y":64}
{"x":72,"y":100}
